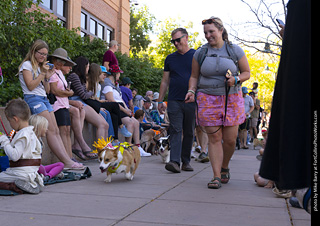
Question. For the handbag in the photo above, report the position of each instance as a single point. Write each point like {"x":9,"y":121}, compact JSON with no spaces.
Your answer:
{"x":96,"y":105}
{"x":51,"y":97}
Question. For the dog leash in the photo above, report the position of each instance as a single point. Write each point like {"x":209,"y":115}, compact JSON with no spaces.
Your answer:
{"x":227,"y":90}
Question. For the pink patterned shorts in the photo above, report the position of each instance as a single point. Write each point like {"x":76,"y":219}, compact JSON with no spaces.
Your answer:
{"x":211,"y":110}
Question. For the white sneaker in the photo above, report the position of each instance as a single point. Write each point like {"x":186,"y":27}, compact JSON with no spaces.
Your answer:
{"x":143,"y":153}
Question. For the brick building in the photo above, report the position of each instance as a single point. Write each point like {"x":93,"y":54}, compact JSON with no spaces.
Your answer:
{"x":105,"y":19}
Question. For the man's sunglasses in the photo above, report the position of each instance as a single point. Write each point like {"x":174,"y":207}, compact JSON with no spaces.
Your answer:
{"x":173,"y":41}
{"x":208,"y":21}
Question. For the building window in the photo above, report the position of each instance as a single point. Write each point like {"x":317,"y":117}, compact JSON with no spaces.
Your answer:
{"x":93,"y":27}
{"x":90,"y":25}
{"x":58,"y":8}
{"x":47,"y":4}
{"x":61,"y":7}
{"x":100,"y":33}
{"x":109,"y":36}
{"x":84,"y":21}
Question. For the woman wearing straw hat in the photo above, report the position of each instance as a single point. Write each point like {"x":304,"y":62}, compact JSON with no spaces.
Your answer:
{"x":60,"y":88}
{"x":34,"y":76}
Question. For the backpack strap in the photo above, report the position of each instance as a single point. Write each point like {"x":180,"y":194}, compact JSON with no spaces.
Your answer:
{"x":203,"y":53}
{"x":231,"y":53}
{"x":230,"y":50}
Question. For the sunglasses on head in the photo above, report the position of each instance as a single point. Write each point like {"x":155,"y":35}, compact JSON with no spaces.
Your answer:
{"x":208,"y":21}
{"x":177,"y":39}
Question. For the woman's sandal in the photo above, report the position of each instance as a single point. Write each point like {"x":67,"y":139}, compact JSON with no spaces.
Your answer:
{"x":225,"y":175}
{"x":90,"y":155}
{"x":79,"y":154}
{"x":215,"y":183}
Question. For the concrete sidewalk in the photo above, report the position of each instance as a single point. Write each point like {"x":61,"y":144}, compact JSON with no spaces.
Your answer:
{"x":156,"y":197}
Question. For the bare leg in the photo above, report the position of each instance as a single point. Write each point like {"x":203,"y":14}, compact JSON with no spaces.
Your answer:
{"x":215,"y":150}
{"x":229,"y":136}
{"x":66,"y":139}
{"x":202,"y":137}
{"x":97,"y":121}
{"x":77,"y":120}
{"x":54,"y":140}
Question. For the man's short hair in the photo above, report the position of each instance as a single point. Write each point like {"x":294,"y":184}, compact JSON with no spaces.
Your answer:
{"x":182,"y":30}
{"x":113,"y":43}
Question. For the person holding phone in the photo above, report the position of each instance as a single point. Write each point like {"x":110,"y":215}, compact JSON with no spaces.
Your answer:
{"x":210,"y":85}
{"x":34,"y":76}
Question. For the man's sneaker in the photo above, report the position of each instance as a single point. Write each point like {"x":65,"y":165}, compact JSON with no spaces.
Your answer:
{"x":26,"y":186}
{"x":143,"y":153}
{"x":124,"y":131}
{"x":186,"y":167}
{"x":203,"y":157}
{"x":173,"y":167}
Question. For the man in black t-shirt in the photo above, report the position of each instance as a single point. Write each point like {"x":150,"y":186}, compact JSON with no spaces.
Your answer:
{"x":177,"y":71}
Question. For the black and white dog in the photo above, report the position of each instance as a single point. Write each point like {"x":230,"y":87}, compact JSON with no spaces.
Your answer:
{"x":163,"y":148}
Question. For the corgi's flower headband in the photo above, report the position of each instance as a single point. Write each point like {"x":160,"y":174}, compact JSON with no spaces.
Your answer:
{"x":102,"y":143}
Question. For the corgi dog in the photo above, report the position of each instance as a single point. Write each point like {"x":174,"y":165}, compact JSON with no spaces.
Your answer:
{"x":163,"y":148}
{"x":262,"y":143}
{"x":147,"y":140}
{"x":124,"y":158}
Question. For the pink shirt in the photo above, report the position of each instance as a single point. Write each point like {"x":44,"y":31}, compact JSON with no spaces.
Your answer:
{"x":62,"y":102}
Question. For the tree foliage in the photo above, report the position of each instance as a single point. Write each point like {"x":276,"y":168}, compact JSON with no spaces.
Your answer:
{"x":142,"y":73}
{"x":264,"y":30}
{"x":141,"y":24}
{"x":263,"y":70}
{"x":20,"y":27}
{"x":163,"y":47}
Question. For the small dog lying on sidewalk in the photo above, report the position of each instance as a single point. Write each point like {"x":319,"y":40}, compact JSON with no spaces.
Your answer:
{"x":124,"y":158}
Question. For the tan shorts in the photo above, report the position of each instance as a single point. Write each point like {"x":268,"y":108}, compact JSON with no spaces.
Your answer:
{"x":253,"y":122}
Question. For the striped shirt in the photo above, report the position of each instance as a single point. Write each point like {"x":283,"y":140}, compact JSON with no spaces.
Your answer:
{"x":78,"y":88}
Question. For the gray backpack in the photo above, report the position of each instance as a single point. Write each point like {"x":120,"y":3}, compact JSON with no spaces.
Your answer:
{"x":230,"y":51}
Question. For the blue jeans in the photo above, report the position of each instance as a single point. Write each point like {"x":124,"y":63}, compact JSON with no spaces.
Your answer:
{"x":182,"y":121}
{"x":107,"y":117}
{"x":37,"y":104}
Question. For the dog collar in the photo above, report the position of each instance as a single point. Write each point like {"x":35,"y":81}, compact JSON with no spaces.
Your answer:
{"x":113,"y":169}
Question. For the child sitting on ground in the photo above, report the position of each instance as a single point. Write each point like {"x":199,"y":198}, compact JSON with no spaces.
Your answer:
{"x":23,"y":151}
{"x":40,"y":127}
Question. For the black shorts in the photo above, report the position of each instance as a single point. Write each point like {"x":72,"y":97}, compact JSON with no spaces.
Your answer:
{"x":62,"y":117}
{"x":244,"y":125}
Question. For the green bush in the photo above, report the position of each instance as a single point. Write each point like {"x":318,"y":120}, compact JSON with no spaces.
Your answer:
{"x":142,"y":73}
{"x":20,"y":27}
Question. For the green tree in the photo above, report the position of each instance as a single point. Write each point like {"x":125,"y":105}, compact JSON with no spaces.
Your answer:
{"x":20,"y":27}
{"x":141,"y":71}
{"x":141,"y":24}
{"x":163,"y":47}
{"x":263,"y":70}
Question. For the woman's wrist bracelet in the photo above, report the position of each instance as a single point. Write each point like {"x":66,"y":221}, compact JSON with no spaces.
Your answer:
{"x":191,"y":91}
{"x":160,"y":102}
